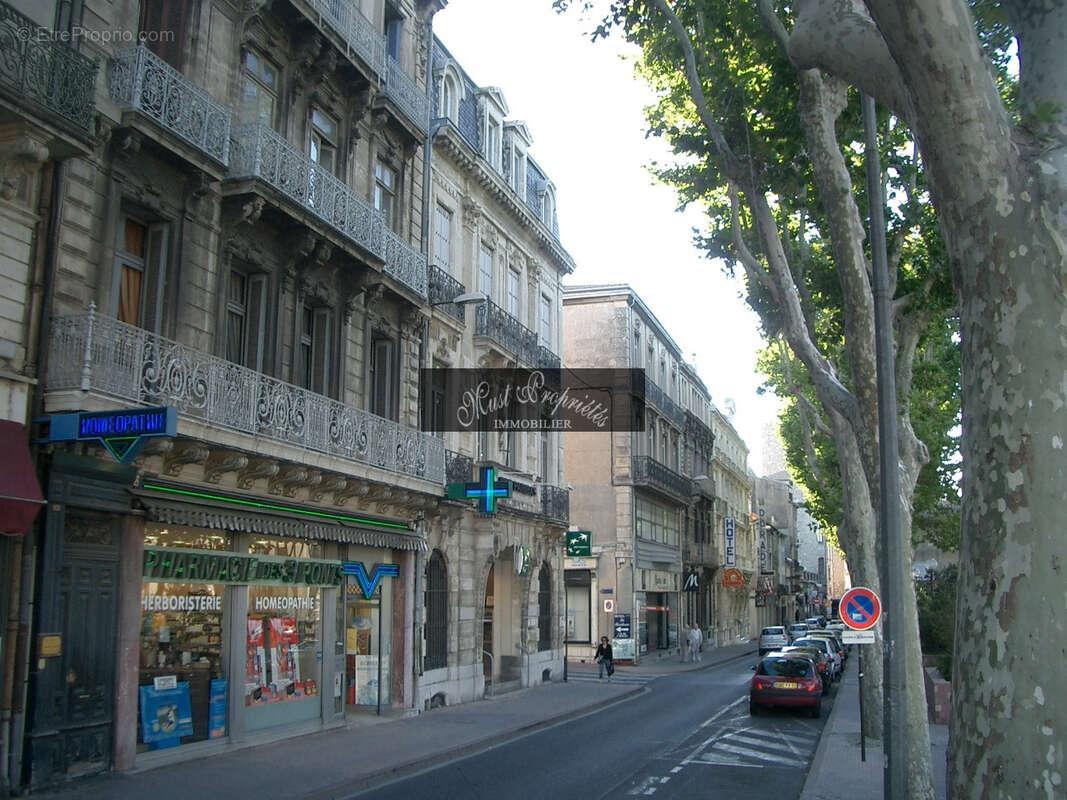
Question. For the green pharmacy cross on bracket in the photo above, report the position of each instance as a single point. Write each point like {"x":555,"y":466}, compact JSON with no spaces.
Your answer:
{"x":486,"y":490}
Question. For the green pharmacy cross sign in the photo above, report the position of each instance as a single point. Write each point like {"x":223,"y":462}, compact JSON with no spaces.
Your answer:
{"x":486,"y":491}
{"x":579,"y":544}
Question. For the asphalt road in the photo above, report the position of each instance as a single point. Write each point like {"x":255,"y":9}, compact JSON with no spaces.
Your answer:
{"x":688,"y":735}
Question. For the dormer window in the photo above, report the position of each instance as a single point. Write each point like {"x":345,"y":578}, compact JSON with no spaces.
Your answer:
{"x":548,"y":206}
{"x":518,"y":143}
{"x":493,"y":109}
{"x":450,"y":93}
{"x":518,"y":171}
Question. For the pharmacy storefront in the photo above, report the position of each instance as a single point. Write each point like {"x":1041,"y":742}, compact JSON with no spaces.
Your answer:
{"x":246,"y":636}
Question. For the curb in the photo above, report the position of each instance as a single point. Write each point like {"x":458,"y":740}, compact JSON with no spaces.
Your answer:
{"x":373,"y":780}
{"x":820,"y":751}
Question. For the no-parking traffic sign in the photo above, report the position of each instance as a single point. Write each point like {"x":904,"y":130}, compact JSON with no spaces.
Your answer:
{"x":860,"y":608}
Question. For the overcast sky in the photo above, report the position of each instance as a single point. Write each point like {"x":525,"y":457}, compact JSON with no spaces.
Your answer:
{"x":584,"y":108}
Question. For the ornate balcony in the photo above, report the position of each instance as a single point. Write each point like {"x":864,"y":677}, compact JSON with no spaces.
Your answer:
{"x":401,"y":89}
{"x":658,"y":398}
{"x":102,"y":355}
{"x":458,"y":467}
{"x":443,"y":288}
{"x":498,"y":325}
{"x":649,"y":472}
{"x":546,"y":358}
{"x":556,"y":503}
{"x":46,"y":72}
{"x":356,"y":31}
{"x":259,"y":152}
{"x":143,"y":82}
{"x":404,"y":263}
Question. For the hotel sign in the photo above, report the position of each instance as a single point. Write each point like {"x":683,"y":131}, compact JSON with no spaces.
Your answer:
{"x":731,"y":549}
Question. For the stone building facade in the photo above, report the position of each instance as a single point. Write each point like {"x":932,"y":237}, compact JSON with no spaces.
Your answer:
{"x":646,"y":496}
{"x":495,"y":235}
{"x":223,"y":210}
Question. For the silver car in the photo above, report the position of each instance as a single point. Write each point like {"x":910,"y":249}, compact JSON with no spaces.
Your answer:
{"x":822,"y":644}
{"x":771,"y":638}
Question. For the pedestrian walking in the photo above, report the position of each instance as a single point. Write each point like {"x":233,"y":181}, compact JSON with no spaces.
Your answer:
{"x":604,"y":658}
{"x":694,"y":638}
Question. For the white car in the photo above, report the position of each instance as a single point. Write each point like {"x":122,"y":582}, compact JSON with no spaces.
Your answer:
{"x":771,"y":638}
{"x":824,"y":645}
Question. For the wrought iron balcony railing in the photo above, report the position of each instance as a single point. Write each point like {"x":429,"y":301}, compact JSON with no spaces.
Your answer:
{"x":404,"y":263}
{"x":36,"y":67}
{"x":658,"y":398}
{"x":257,"y":151}
{"x":648,"y":471}
{"x":497,"y":324}
{"x":458,"y":467}
{"x":401,"y":89}
{"x":443,"y":288}
{"x":96,"y":353}
{"x":556,"y":502}
{"x":142,"y":81}
{"x":357,"y":32}
{"x":546,"y":358}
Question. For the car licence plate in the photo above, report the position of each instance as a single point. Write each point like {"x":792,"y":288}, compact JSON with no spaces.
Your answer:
{"x":786,"y":685}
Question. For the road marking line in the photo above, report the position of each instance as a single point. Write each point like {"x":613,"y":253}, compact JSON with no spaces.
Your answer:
{"x":786,"y":739}
{"x":721,"y":711}
{"x":783,"y":747}
{"x":750,"y":753}
{"x":676,"y":770}
{"x":664,"y":780}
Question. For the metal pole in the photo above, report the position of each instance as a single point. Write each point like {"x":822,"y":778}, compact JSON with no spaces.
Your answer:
{"x":894,"y":575}
{"x":381,"y":639}
{"x":863,"y":738}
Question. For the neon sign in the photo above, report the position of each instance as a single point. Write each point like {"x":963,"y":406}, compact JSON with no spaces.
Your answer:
{"x":122,"y":432}
{"x":486,"y":491}
{"x":369,"y":584}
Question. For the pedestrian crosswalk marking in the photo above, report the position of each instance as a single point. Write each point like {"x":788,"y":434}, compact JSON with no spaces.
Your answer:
{"x":770,"y":744}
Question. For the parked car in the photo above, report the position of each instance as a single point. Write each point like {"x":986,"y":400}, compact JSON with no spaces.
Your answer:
{"x":830,"y":648}
{"x":796,"y":630}
{"x":791,"y":681}
{"x":772,"y":638}
{"x":823,"y":664}
{"x":813,"y":622}
{"x":833,"y":637}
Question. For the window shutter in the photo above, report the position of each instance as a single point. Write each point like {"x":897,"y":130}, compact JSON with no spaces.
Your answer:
{"x":155,"y":277}
{"x":255,"y":328}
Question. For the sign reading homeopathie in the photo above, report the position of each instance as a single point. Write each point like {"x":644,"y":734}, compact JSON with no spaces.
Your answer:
{"x":580,"y":400}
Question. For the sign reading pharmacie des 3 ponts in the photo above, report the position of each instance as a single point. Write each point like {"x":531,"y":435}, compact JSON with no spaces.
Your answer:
{"x":211,"y":566}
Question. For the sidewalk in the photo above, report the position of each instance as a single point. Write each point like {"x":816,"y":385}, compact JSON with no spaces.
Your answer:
{"x":371,"y":750}
{"x":837,"y":773}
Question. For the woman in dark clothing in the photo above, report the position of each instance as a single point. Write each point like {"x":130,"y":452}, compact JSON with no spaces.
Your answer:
{"x":604,"y":657}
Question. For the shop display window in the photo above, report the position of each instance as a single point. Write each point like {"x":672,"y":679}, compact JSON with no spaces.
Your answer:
{"x":284,"y":651}
{"x":158,"y":535}
{"x":182,"y":676}
{"x":368,"y":645}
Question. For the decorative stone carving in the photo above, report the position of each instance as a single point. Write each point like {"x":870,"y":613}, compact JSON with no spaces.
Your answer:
{"x":184,"y":452}
{"x":352,"y":488}
{"x":156,"y":446}
{"x":334,"y":482}
{"x":289,"y":478}
{"x":257,"y":468}
{"x":21,"y":156}
{"x":222,"y":461}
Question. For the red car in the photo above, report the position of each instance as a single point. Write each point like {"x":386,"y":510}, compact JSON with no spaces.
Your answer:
{"x":785,"y":680}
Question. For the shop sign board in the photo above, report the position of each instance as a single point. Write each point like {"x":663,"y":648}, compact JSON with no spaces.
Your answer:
{"x":733,"y":579}
{"x":522,"y":561}
{"x":121,"y":432}
{"x":485,"y":491}
{"x":208,"y":566}
{"x":729,"y":535}
{"x":368,"y":584}
{"x":579,"y":543}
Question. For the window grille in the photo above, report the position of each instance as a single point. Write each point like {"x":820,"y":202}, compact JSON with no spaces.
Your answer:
{"x":544,"y":609}
{"x":436,"y":630}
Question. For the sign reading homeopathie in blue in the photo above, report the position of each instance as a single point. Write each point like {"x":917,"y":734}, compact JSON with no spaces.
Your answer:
{"x":121,"y":432}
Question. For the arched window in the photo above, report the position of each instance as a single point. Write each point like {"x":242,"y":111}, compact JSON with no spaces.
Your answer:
{"x":436,"y":631}
{"x":544,"y":609}
{"x":448,"y":98}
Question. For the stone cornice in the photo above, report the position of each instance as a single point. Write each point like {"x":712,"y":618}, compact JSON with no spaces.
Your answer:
{"x":450,"y":142}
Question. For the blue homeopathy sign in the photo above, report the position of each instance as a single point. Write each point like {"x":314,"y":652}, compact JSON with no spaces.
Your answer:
{"x":121,"y":432}
{"x":166,"y":715}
